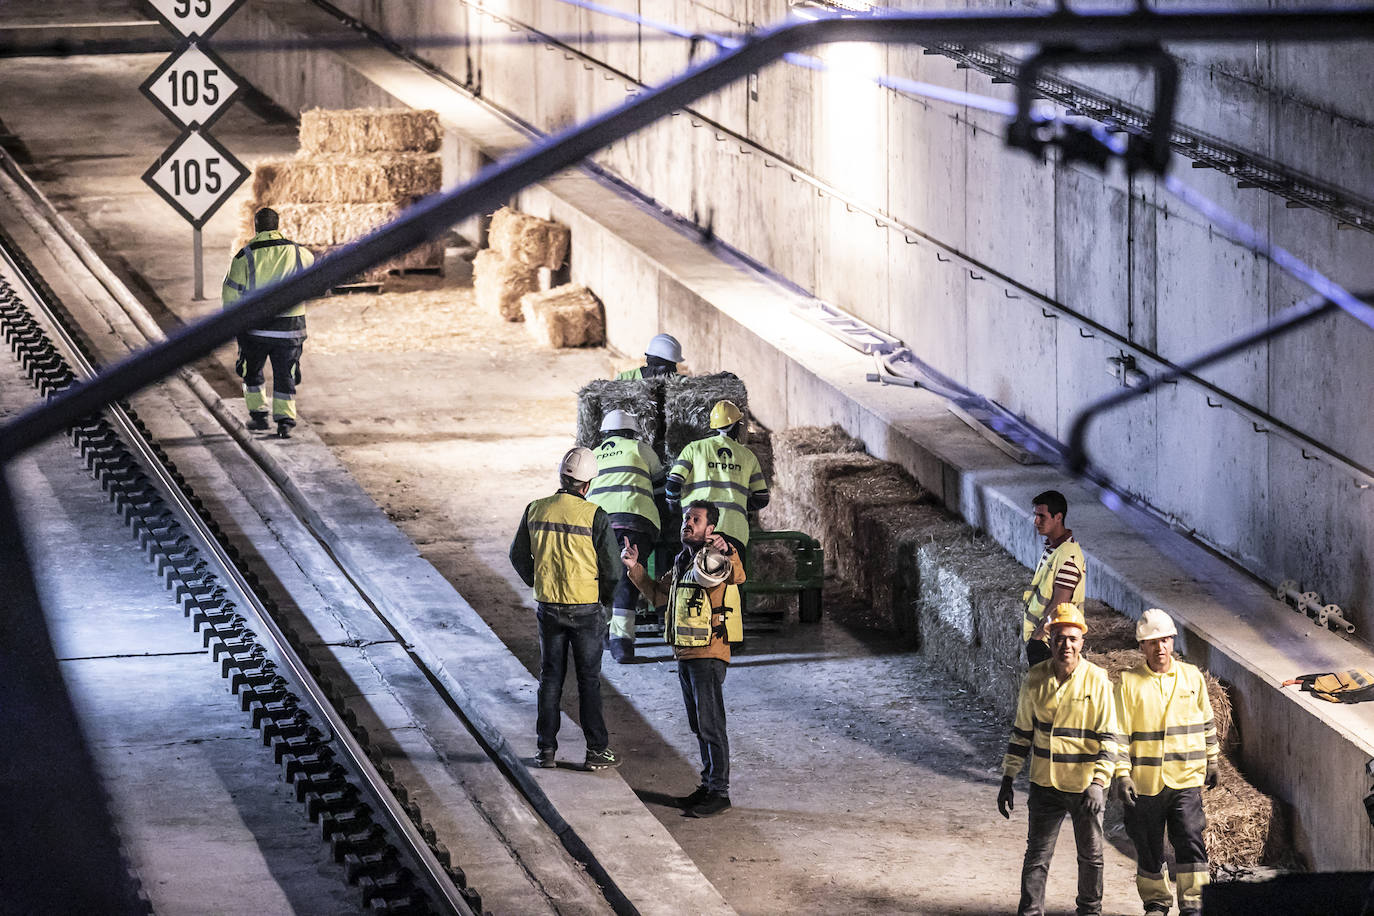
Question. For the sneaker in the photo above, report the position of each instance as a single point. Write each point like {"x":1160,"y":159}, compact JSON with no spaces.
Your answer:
{"x":688,"y":802}
{"x":714,"y":803}
{"x":545,"y":760}
{"x":257,"y":421}
{"x":602,"y":759}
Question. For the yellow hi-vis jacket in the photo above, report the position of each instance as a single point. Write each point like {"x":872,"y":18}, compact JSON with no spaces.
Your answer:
{"x":624,"y":482}
{"x":1167,"y":721}
{"x":564,"y":550}
{"x":268,"y":257}
{"x":1068,"y":730}
{"x":723,"y":472}
{"x":1038,"y":597}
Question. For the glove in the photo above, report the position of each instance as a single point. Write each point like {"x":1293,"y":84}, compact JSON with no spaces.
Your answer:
{"x":1124,"y":787}
{"x":1092,"y":799}
{"x":1006,"y":798}
{"x":241,"y":366}
{"x":1212,"y":775}
{"x":296,"y":372}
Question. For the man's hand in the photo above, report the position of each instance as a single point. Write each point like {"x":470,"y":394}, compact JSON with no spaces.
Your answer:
{"x":1093,"y":800}
{"x":1124,"y":787}
{"x":1213,"y":774}
{"x":716,"y":542}
{"x":1006,"y":798}
{"x":629,"y":555}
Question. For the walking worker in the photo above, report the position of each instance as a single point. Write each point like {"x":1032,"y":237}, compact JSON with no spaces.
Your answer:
{"x":1060,"y":576}
{"x":722,"y":471}
{"x":628,"y":476}
{"x":1066,"y":724}
{"x":694,"y":592}
{"x":661,"y":357}
{"x":1164,"y":713}
{"x":268,"y":257}
{"x":565,"y":550}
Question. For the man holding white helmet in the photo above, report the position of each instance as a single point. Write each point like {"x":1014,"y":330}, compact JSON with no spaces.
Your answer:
{"x":661,"y":357}
{"x":1165,"y":714}
{"x":628,"y":476}
{"x":565,"y":550}
{"x":694,"y":592}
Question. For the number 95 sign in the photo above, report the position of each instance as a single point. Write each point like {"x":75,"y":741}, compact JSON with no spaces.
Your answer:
{"x":193,"y":17}
{"x":195,"y":175}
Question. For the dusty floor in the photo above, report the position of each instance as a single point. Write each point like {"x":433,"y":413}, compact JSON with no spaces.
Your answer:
{"x":863,"y":782}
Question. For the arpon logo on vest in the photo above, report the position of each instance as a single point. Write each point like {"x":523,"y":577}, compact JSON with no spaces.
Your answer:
{"x":724,"y":464}
{"x":607,"y":444}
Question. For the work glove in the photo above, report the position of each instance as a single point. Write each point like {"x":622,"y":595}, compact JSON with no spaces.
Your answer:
{"x":296,"y":372}
{"x":1006,"y":798}
{"x":1092,"y":799}
{"x":1125,"y":790}
{"x":1212,"y":775}
{"x":241,"y":365}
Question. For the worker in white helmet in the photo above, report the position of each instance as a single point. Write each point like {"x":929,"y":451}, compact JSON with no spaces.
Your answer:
{"x":629,"y":475}
{"x":1165,"y":717}
{"x":564,"y":548}
{"x":661,"y":357}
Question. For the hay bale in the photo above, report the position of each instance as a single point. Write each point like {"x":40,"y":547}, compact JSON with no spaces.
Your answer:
{"x":842,"y":502}
{"x":799,"y":441}
{"x":338,"y":179}
{"x":640,"y":397}
{"x":687,"y":403}
{"x":528,"y":239}
{"x":890,"y":536}
{"x":323,"y":226}
{"x":370,"y":130}
{"x":499,"y":282}
{"x":1245,"y":827}
{"x":567,"y":316}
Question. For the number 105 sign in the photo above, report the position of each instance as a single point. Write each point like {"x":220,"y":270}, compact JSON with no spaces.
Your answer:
{"x":195,"y":175}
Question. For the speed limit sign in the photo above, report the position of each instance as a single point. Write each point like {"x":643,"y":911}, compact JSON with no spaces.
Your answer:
{"x":193,"y":17}
{"x":195,"y":175}
{"x":192,"y":87}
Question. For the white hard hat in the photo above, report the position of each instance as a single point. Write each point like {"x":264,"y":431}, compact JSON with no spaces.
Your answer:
{"x":579,"y":464}
{"x":664,"y":346}
{"x":710,"y":567}
{"x":619,"y":419}
{"x":1154,"y":624}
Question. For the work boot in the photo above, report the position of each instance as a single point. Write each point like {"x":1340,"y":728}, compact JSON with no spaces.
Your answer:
{"x":283,"y":429}
{"x":622,"y":650}
{"x":602,"y":759}
{"x":257,"y":421}
{"x":713,"y":804}
{"x":545,"y":759}
{"x":688,"y":802}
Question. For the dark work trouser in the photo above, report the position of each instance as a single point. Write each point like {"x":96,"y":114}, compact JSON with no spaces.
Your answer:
{"x":1046,"y":808}
{"x":626,"y":597}
{"x":702,"y":681}
{"x":285,"y":355}
{"x":581,"y":633}
{"x":1180,"y":812}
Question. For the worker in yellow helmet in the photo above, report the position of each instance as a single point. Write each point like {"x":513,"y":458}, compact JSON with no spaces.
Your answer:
{"x":661,"y":357}
{"x":1165,"y":714}
{"x":723,"y":471}
{"x":1066,"y":725}
{"x":268,"y":257}
{"x":565,"y":550}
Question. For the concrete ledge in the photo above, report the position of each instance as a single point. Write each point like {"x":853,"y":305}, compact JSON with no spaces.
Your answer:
{"x":651,"y":276}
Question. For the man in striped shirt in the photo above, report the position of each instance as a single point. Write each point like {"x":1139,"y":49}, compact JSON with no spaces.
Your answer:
{"x":1060,"y":576}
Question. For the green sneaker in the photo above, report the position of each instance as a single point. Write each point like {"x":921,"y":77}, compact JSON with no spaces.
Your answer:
{"x":602,"y":759}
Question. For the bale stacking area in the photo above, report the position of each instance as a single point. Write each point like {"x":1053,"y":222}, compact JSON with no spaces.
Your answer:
{"x":370,"y":130}
{"x":567,"y":316}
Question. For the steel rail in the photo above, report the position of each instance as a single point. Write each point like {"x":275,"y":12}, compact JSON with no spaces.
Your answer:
{"x":432,"y":873}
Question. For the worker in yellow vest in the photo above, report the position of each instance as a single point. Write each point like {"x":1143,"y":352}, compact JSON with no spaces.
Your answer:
{"x":1060,"y":576}
{"x":628,"y":476}
{"x":1066,"y":726}
{"x":268,"y":257}
{"x":661,"y":357}
{"x":1165,"y":715}
{"x":565,"y":550}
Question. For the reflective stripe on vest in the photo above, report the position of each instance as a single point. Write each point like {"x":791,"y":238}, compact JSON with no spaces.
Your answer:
{"x":622,"y":482}
{"x":689,"y":613}
{"x":722,"y":472}
{"x":1066,"y":730}
{"x":270,"y":257}
{"x":1042,"y":584}
{"x":1168,"y":736}
{"x":564,"y":550}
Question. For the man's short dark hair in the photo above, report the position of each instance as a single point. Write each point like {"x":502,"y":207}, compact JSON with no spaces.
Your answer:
{"x":1054,"y":501}
{"x":712,"y":511}
{"x":568,"y":483}
{"x":266,"y":220}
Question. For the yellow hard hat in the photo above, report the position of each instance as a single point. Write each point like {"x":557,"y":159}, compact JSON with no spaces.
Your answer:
{"x":1067,"y":614}
{"x":724,"y":414}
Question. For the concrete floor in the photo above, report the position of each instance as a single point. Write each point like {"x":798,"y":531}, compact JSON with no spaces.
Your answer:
{"x":863,"y":781}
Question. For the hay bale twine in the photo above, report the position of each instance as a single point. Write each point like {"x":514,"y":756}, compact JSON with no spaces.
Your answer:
{"x":499,"y":282}
{"x":642,"y":398}
{"x":566,"y":316}
{"x":528,"y":239}
{"x":370,"y":130}
{"x":687,"y":403}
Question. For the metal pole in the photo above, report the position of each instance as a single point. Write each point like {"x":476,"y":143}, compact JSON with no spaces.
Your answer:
{"x":198,"y":253}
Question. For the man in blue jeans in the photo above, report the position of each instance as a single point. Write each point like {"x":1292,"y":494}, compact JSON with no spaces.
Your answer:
{"x":564,"y":548}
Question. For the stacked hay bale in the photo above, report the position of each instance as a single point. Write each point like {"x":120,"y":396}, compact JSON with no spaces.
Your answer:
{"x":520,"y":246}
{"x":565,"y":316}
{"x":355,"y":171}
{"x":672,"y":410}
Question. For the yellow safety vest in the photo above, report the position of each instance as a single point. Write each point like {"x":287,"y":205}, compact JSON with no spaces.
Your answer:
{"x":723,"y":472}
{"x":1068,"y":730}
{"x":629,"y":374}
{"x":565,"y":567}
{"x":1038,"y":596}
{"x":1167,"y":720}
{"x":267,"y":258}
{"x":689,"y":612}
{"x":624,"y":478}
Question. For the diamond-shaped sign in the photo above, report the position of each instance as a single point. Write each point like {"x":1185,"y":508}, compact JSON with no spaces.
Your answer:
{"x":193,"y":17}
{"x":195,"y":175}
{"x":193,"y":86}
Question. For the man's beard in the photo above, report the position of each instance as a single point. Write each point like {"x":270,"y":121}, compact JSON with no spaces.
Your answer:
{"x":687,"y":542}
